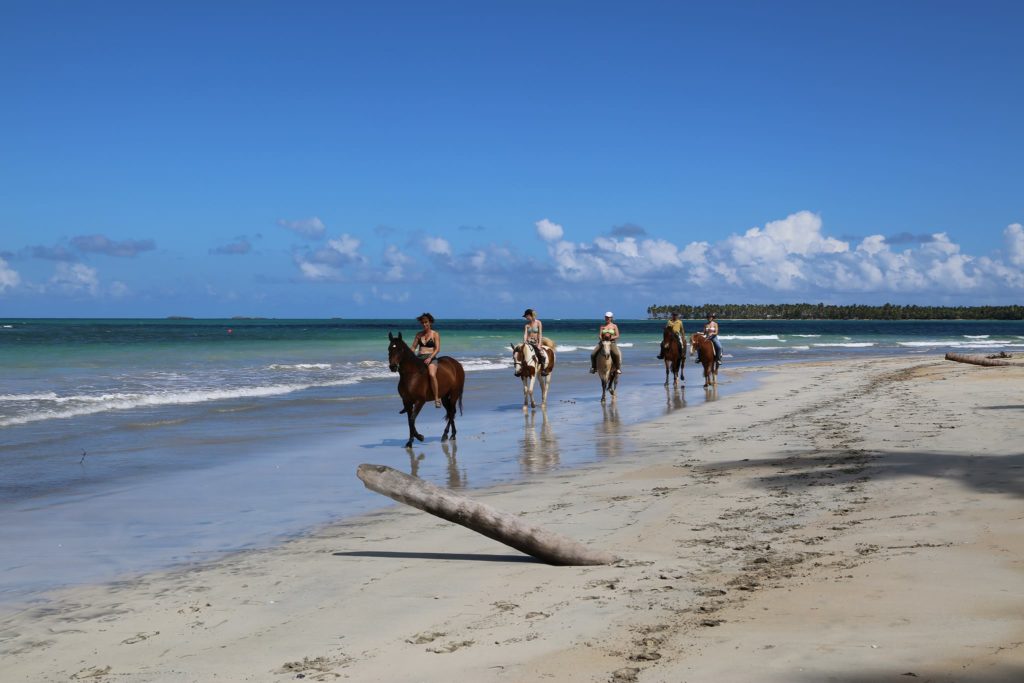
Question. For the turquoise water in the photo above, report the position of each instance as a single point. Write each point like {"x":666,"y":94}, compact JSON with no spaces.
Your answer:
{"x":133,"y":444}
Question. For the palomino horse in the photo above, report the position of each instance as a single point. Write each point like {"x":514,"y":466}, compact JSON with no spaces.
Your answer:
{"x":527,"y":368}
{"x":609,"y":378}
{"x":414,"y":385}
{"x":675,"y":356}
{"x":705,"y":351}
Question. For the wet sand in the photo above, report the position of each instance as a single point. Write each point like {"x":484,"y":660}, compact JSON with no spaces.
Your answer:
{"x":844,"y":521}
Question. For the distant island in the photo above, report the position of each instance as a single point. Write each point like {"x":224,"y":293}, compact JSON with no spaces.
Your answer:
{"x":832,"y":312}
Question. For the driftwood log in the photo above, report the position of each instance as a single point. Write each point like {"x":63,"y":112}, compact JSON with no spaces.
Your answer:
{"x":975,"y":360}
{"x":502,"y":527}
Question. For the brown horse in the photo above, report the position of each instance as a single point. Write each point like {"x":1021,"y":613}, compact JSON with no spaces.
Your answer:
{"x":414,"y":385}
{"x":705,"y":351}
{"x":675,"y":356}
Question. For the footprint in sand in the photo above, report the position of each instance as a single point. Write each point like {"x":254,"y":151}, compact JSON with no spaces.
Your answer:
{"x":450,"y":647}
{"x":425,"y":637}
{"x":139,"y":637}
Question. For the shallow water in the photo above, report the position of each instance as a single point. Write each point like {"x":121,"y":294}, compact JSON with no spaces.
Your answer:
{"x":133,"y":445}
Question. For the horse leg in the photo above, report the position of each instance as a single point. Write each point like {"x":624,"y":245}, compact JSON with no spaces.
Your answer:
{"x":545,"y":383}
{"x":410,"y":416}
{"x":449,"y":402}
{"x":533,"y":379}
{"x":413,"y":413}
{"x":668,"y":363}
{"x":526,"y":392}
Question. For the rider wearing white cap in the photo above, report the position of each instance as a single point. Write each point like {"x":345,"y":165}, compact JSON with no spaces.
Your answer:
{"x":608,"y":332}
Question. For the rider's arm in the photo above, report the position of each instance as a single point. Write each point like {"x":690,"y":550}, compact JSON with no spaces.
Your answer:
{"x":615,"y":332}
{"x":437,"y":344}
{"x":526,"y":332}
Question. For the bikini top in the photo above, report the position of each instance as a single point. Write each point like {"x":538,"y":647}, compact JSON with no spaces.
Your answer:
{"x":428,"y":344}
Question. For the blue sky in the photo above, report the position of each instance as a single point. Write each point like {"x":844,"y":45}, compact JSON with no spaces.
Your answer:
{"x":379,"y":159}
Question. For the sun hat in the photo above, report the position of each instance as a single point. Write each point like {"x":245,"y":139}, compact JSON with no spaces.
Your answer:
{"x":608,"y":314}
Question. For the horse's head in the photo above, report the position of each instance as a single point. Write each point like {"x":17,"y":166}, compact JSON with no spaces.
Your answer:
{"x":606,"y":347}
{"x":522,"y":357}
{"x":396,"y":347}
{"x":695,"y":339}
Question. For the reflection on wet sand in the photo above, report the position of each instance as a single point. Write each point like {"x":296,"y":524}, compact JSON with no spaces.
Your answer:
{"x":711,"y":393}
{"x":414,"y":462}
{"x":456,"y":479}
{"x":609,"y":440}
{"x":674,"y":399}
{"x":538,"y":454}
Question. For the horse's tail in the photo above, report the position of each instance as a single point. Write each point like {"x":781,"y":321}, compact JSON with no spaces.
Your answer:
{"x":460,"y":404}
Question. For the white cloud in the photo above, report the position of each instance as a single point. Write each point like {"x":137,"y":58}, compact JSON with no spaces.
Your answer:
{"x":318,"y":271}
{"x":75,"y":277}
{"x":548,"y":231}
{"x":438,"y":246}
{"x":310,"y":228}
{"x":347,"y":246}
{"x":1014,"y":236}
{"x":396,"y":262}
{"x":9,"y":278}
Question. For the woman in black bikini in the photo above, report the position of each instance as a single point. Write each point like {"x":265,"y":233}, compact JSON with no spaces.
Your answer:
{"x":426,"y":345}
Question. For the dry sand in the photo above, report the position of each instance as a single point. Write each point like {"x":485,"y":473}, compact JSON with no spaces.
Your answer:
{"x":848,"y":521}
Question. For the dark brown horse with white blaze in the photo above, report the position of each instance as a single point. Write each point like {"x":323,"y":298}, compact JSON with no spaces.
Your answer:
{"x":705,"y":351}
{"x":526,"y":366}
{"x":414,"y":385}
{"x":675,"y":356}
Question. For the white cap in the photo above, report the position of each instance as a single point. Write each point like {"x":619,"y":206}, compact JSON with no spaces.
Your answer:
{"x":608,"y":314}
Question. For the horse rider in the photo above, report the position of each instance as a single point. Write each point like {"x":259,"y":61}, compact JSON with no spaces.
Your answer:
{"x":676,"y":325}
{"x":711,"y":332}
{"x":608,"y":332}
{"x":426,"y":345}
{"x":533,"y":334}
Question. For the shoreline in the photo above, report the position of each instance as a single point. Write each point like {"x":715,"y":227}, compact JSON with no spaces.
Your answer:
{"x":758,"y":545}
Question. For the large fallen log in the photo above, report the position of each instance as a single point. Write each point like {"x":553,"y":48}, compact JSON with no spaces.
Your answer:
{"x":502,"y":527}
{"x":975,"y":360}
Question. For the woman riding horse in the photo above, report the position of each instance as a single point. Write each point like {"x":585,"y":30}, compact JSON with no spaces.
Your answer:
{"x":426,"y":345}
{"x":711,"y":334}
{"x":533,"y":334}
{"x":609,"y":332}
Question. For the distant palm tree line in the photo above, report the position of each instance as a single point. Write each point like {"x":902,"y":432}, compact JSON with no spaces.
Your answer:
{"x":832,"y":312}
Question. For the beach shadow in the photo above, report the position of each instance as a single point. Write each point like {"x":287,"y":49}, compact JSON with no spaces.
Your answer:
{"x":983,"y":473}
{"x":990,"y":674}
{"x":1001,"y":407}
{"x":462,"y":557}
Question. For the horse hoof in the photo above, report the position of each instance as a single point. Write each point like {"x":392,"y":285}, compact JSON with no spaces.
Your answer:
{"x":408,"y":444}
{"x":443,"y":439}
{"x":419,"y":437}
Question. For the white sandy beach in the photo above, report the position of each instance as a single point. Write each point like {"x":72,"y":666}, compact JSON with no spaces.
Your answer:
{"x":845,"y":521}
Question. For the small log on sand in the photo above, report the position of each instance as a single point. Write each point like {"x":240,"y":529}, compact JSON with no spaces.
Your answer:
{"x":501,"y":526}
{"x":975,"y":360}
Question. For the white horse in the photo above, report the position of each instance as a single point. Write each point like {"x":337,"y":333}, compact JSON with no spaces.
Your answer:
{"x":609,"y":378}
{"x":527,"y":368}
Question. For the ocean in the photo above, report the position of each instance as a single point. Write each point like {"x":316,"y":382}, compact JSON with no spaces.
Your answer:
{"x":131,"y":445}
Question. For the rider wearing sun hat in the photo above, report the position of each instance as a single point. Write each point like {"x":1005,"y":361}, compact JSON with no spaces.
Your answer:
{"x":609,"y":331}
{"x":533,"y":334}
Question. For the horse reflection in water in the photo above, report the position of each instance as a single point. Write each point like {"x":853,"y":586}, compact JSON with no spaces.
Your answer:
{"x":609,"y":441}
{"x":538,"y":454}
{"x":456,"y":478}
{"x":674,"y":399}
{"x":414,"y":462}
